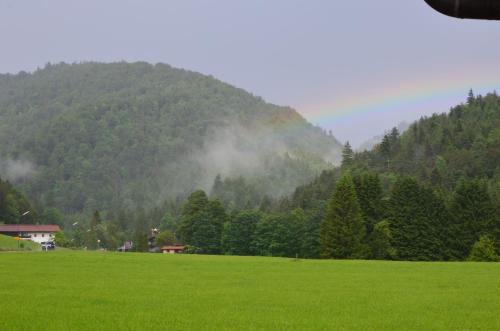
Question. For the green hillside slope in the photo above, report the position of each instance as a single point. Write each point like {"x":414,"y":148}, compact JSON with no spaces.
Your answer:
{"x":430,"y":193}
{"x":10,"y":244}
{"x":441,"y":150}
{"x":96,"y":136}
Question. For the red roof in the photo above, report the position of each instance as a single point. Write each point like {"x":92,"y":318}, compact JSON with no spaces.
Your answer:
{"x":29,"y":228}
{"x":173,"y":247}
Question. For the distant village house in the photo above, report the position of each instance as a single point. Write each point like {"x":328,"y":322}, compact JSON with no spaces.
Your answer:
{"x":36,"y":233}
{"x":126,"y":247}
{"x":173,"y":249}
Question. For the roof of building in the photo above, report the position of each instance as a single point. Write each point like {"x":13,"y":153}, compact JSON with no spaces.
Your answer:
{"x":29,"y":228}
{"x":173,"y":247}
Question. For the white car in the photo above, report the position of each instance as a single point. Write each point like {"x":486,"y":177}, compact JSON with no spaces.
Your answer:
{"x":46,"y":245}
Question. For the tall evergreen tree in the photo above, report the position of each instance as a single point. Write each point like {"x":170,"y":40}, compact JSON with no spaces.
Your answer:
{"x":418,"y":221}
{"x":470,"y":97}
{"x":213,"y":237}
{"x":295,"y":231}
{"x":202,"y":222}
{"x":140,"y":236}
{"x":217,"y":187}
{"x":473,"y":214}
{"x":380,"y":241}
{"x":347,"y":155}
{"x":193,"y":209}
{"x":385,"y":147}
{"x":342,"y":230}
{"x":369,"y":193}
{"x":77,"y":241}
{"x":311,"y":246}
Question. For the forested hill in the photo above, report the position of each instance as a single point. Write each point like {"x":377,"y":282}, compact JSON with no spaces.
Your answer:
{"x":96,"y":136}
{"x":440,"y":150}
{"x":430,"y":193}
{"x":444,"y":148}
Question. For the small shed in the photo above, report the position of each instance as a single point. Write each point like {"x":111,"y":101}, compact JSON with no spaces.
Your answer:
{"x":173,"y":249}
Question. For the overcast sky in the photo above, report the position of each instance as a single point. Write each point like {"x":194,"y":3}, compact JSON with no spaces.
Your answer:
{"x":356,"y":67}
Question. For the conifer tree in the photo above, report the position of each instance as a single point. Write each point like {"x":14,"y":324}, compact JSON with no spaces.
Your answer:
{"x":217,"y":217}
{"x":217,"y":187}
{"x":77,"y":240}
{"x":311,"y":245}
{"x":418,"y":221}
{"x":380,"y":241}
{"x":385,"y":147}
{"x":202,"y":222}
{"x":295,"y":231}
{"x":473,"y":214}
{"x":140,"y":235}
{"x":193,"y":209}
{"x":369,"y":193}
{"x":347,"y":156}
{"x":342,"y":229}
{"x":470,"y":97}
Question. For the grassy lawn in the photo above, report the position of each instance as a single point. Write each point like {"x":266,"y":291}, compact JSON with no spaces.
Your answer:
{"x":72,"y":290}
{"x":10,"y":244}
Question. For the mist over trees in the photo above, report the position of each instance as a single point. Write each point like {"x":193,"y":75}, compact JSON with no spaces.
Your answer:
{"x":107,"y":137}
{"x":121,"y":149}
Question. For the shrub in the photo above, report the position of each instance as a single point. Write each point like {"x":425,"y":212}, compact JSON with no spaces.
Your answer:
{"x":483,"y":250}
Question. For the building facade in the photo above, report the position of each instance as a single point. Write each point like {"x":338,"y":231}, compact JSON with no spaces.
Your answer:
{"x":36,"y":233}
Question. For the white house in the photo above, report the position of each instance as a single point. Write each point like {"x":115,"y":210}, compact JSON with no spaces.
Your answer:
{"x":36,"y":233}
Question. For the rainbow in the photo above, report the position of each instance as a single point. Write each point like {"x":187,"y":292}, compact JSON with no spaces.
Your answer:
{"x":415,"y":95}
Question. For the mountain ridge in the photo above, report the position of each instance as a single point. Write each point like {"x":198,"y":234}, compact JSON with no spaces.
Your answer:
{"x":101,"y":135}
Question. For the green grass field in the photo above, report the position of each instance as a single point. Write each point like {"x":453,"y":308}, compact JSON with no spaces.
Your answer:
{"x":125,"y":291}
{"x":10,"y":244}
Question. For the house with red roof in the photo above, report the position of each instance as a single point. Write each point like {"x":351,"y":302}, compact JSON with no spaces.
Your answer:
{"x":173,"y":249}
{"x":36,"y":233}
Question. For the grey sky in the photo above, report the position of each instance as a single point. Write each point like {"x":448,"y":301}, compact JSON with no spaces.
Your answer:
{"x":356,"y":67}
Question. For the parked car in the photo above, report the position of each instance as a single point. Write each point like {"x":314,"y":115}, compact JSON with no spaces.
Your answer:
{"x":46,"y":245}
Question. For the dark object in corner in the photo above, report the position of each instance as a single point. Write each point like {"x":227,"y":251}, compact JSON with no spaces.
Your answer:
{"x":475,"y":9}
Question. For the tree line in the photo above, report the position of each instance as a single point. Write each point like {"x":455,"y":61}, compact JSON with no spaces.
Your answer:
{"x":430,"y":193}
{"x":412,"y":223}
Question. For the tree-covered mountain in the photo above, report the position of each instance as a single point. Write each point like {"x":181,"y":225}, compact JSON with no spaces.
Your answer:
{"x":440,"y":150}
{"x":430,"y":193}
{"x":443,"y":148}
{"x":106,"y":137}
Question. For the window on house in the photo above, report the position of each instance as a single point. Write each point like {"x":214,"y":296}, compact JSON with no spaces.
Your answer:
{"x":43,"y":235}
{"x":34,"y":235}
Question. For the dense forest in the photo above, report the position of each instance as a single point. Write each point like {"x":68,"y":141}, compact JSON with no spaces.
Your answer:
{"x":13,"y":204}
{"x":376,"y":205}
{"x":121,"y":136}
{"x":431,"y":192}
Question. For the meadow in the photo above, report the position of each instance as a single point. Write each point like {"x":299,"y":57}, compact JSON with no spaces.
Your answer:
{"x":76,"y":290}
{"x":10,"y":244}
